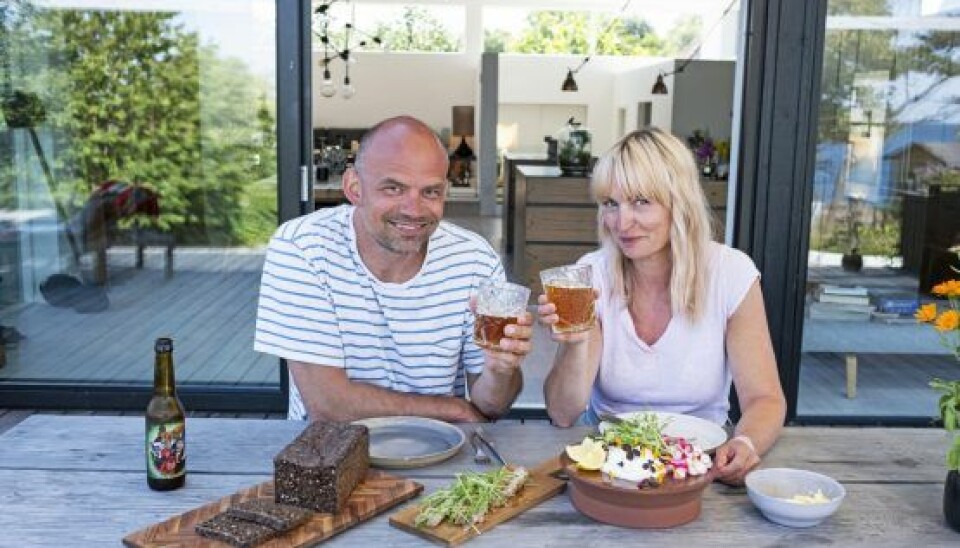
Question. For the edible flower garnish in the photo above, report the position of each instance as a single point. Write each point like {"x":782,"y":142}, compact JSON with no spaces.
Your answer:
{"x":644,"y":430}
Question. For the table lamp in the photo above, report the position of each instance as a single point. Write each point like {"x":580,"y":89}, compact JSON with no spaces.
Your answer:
{"x":463,"y":126}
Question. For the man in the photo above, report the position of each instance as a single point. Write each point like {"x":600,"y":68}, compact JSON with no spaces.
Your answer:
{"x":370,"y":302}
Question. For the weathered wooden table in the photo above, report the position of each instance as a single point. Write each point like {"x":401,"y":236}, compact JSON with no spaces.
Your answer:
{"x":79,"y":481}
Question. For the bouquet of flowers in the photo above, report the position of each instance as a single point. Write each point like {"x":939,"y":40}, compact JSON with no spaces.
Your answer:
{"x":946,"y":320}
{"x":702,"y":146}
{"x":947,"y":324}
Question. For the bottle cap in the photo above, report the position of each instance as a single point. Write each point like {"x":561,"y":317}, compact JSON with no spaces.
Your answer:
{"x":163,"y":344}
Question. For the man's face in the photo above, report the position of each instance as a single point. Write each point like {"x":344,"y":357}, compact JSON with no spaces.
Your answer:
{"x":400,"y":191}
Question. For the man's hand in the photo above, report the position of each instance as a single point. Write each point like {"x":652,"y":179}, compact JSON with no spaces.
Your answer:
{"x":734,"y":460}
{"x":513,"y":347}
{"x":495,"y":389}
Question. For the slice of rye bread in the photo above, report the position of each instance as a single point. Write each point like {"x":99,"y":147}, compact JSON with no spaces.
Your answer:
{"x":234,"y":531}
{"x":280,"y":517}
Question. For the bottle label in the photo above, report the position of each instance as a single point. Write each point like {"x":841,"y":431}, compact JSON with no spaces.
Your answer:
{"x":166,"y":450}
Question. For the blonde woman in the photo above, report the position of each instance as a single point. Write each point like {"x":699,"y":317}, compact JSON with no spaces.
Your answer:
{"x":679,"y":316}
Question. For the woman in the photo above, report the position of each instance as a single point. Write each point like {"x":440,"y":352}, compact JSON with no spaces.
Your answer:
{"x":679,"y":316}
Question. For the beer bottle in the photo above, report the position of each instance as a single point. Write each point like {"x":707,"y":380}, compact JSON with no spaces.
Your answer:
{"x":165,"y":425}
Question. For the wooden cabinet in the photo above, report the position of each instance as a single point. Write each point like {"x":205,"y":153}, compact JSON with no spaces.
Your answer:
{"x":931,"y":225}
{"x":554,"y":220}
{"x":510,"y":162}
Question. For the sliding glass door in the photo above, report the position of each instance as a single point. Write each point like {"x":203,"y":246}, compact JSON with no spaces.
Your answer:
{"x":139,"y":185}
{"x":885,"y":213}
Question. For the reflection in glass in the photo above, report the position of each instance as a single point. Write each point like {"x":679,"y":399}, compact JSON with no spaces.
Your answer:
{"x":137,"y":187}
{"x":886,"y":209}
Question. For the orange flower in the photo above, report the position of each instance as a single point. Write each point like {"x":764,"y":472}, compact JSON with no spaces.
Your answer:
{"x":949,"y":288}
{"x":926,"y":313}
{"x":948,"y":321}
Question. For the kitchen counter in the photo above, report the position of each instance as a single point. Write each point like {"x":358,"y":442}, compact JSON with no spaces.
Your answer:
{"x":554,"y":220}
{"x":511,"y":162}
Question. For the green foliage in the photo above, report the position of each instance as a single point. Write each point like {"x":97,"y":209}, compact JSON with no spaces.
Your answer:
{"x":858,"y":7}
{"x":133,"y":96}
{"x":880,"y":238}
{"x":683,"y":35}
{"x":583,"y":32}
{"x":417,"y":30}
{"x":495,"y":41}
{"x":554,"y":32}
{"x":949,"y":407}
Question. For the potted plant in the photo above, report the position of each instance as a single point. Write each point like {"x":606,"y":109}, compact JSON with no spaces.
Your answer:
{"x":950,"y":414}
{"x":575,"y":149}
{"x":947,"y":324}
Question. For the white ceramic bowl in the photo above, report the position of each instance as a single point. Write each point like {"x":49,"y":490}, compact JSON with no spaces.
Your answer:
{"x":771,"y":489}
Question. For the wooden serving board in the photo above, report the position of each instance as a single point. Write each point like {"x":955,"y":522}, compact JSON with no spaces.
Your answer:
{"x":541,"y":486}
{"x":379,"y":491}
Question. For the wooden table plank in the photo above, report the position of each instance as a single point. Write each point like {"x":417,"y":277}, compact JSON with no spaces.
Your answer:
{"x":230,"y":446}
{"x":104,"y":506}
{"x":88,"y":472}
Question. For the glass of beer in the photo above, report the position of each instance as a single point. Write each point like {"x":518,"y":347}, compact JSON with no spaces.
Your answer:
{"x":499,"y":304}
{"x":570,"y":289}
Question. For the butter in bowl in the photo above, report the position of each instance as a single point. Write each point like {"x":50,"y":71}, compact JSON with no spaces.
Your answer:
{"x":795,"y":498}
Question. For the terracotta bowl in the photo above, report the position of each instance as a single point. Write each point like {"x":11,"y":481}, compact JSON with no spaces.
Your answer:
{"x":674,"y":503}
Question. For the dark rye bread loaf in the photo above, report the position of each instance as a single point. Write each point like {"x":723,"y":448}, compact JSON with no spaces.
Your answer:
{"x":279,"y":517}
{"x":234,"y":531}
{"x":320,"y":468}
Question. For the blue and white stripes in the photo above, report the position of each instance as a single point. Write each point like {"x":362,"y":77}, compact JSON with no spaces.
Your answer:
{"x":319,"y":304}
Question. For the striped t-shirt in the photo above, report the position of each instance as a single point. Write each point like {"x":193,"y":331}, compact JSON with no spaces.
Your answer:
{"x":320,"y":305}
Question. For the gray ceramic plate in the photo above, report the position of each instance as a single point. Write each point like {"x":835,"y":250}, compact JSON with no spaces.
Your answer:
{"x":411,"y":442}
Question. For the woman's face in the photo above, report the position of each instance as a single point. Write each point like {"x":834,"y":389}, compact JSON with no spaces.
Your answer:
{"x":640,"y":227}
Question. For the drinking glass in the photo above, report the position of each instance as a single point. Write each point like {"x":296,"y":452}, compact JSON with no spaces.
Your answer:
{"x":570,"y":289}
{"x":499,"y":304}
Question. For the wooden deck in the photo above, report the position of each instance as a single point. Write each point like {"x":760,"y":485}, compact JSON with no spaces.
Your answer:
{"x":208,"y":307}
{"x":888,"y":385}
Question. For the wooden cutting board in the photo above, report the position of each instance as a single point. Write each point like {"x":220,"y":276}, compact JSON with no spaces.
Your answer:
{"x":541,"y":486}
{"x":379,"y":491}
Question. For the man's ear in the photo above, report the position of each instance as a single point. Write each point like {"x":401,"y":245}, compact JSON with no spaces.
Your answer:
{"x":351,"y":185}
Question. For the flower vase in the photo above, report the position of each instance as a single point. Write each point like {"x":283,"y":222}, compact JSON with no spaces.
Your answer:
{"x":951,"y":500}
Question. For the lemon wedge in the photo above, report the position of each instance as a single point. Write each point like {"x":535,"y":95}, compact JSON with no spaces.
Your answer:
{"x":589,"y":455}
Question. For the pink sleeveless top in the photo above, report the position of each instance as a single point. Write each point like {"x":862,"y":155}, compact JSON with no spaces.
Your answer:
{"x":686,"y":370}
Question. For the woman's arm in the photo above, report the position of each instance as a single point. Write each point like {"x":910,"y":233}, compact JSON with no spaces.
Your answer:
{"x":567,"y":387}
{"x":757,"y":382}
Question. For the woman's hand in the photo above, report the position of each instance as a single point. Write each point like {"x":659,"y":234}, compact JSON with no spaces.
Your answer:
{"x":734,"y":459}
{"x":547,"y":313}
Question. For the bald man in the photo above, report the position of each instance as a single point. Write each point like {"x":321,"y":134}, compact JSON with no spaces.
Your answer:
{"x":369,"y":302}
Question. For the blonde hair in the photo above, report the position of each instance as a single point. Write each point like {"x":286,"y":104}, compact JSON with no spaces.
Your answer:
{"x":655,"y":165}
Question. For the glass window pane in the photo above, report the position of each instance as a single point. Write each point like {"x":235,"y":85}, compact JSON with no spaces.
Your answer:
{"x":138,"y":187}
{"x":886,"y":210}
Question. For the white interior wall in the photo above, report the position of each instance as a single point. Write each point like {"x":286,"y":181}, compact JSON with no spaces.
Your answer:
{"x":634,"y":86}
{"x":536,"y":79}
{"x":427,"y":86}
{"x":522,"y":127}
{"x":705,"y":89}
{"x":423,"y":85}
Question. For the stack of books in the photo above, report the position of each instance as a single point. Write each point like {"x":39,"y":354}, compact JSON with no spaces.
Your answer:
{"x":842,"y":303}
{"x":896,"y":309}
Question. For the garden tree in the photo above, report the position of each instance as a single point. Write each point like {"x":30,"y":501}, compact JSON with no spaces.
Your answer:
{"x":579,"y":32}
{"x":847,"y":52}
{"x":14,"y":14}
{"x":683,"y":35}
{"x":627,"y":36}
{"x":495,"y":41}
{"x":416,"y":30}
{"x":132,"y":96}
{"x":550,"y":31}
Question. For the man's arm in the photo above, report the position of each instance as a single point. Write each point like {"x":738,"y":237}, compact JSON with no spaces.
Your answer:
{"x":328,"y":394}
